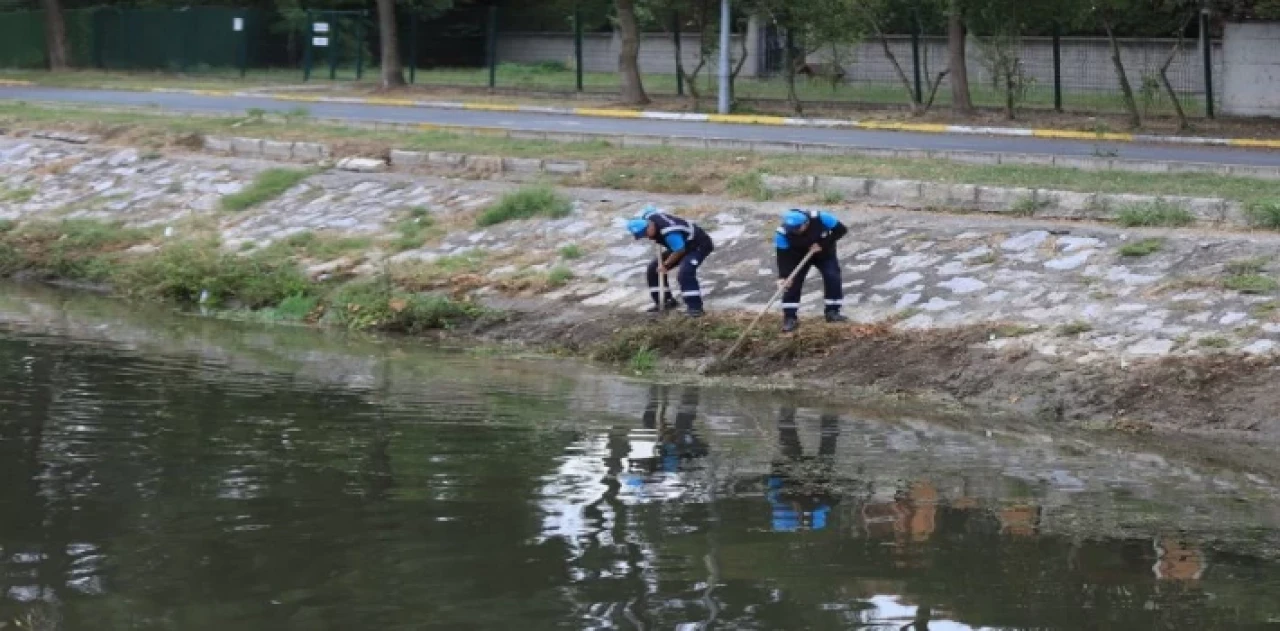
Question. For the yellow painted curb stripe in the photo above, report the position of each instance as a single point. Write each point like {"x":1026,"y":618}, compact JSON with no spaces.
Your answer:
{"x":300,"y":99}
{"x":491,"y":107}
{"x":747,"y":120}
{"x":1254,"y":142}
{"x":1080,"y":135}
{"x":14,"y":82}
{"x":591,"y":111}
{"x":390,"y":102}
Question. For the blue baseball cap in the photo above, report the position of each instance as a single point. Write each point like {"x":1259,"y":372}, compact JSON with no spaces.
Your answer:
{"x":637,"y":227}
{"x":793,"y":219}
{"x":648,"y":211}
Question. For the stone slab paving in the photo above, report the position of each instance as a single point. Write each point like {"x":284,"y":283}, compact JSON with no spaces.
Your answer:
{"x":1063,"y":289}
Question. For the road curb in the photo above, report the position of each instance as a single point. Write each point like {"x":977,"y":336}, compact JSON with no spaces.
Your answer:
{"x":779,"y":121}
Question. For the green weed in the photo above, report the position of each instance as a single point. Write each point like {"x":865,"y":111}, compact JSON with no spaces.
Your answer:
{"x":1074,"y":328}
{"x":1250,"y":283}
{"x":1027,"y":206}
{"x":200,"y":272}
{"x":1264,"y":213}
{"x":1141,"y":248}
{"x":296,"y":308}
{"x":644,"y":361}
{"x":832,"y":197}
{"x":749,"y":185}
{"x":267,"y":186}
{"x":1245,"y":266}
{"x":377,"y":305}
{"x":1157,"y":213}
{"x":17,"y":195}
{"x":526,"y":203}
{"x":559,"y":277}
{"x":411,"y":232}
{"x":1213,"y":341}
{"x":572,"y":252}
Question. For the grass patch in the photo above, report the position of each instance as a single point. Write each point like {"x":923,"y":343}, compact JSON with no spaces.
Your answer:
{"x":17,"y":195}
{"x":572,"y":252}
{"x":413,"y":229}
{"x":200,"y":272}
{"x":1213,"y":341}
{"x":749,"y":185}
{"x":1264,"y":213}
{"x":1027,"y":206}
{"x":644,"y":361}
{"x":526,"y":203}
{"x":296,"y":308}
{"x":832,"y":197}
{"x":559,"y":277}
{"x":267,"y":186}
{"x":1013,"y":330}
{"x":1157,"y":213}
{"x":441,"y":271}
{"x":1250,"y":283}
{"x":7,"y":225}
{"x":322,"y":247}
{"x":73,"y":249}
{"x":1245,"y":266}
{"x":1141,"y":248}
{"x":377,"y":305}
{"x":1265,"y":309}
{"x":1074,"y":328}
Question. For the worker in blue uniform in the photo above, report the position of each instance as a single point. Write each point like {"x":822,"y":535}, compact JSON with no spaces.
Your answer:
{"x":684,"y":246}
{"x":803,"y":232}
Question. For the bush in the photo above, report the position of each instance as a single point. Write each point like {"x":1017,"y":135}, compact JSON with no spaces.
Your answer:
{"x":74,"y":249}
{"x":558,"y":277}
{"x":1141,"y":248}
{"x":267,"y":186}
{"x":185,"y":272}
{"x":377,"y":305}
{"x":571,"y":252}
{"x":749,"y":185}
{"x":1264,"y":213}
{"x":526,"y":203}
{"x":1154,"y":214}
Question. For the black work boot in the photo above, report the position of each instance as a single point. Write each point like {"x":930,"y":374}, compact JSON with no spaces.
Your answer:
{"x":672,"y":305}
{"x":790,"y":324}
{"x":834,"y":316}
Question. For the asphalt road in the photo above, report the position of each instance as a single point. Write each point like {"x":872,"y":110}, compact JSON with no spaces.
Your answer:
{"x":562,"y":123}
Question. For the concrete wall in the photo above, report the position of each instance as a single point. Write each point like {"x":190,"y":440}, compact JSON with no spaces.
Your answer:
{"x":600,"y":51}
{"x":1086,"y":62}
{"x":1251,"y":82}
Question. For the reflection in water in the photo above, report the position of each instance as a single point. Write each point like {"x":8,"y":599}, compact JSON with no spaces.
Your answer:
{"x":160,"y":491}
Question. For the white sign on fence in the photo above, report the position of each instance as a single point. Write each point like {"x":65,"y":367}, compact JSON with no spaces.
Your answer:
{"x":321,"y":27}
{"x":319,"y":41}
{"x":237,"y":24}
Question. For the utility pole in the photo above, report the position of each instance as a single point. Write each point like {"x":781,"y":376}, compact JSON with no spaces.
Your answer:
{"x":724,"y":56}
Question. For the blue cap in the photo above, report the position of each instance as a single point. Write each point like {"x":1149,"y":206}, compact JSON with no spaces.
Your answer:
{"x":793,"y":219}
{"x":637,"y":227}
{"x":648,"y":211}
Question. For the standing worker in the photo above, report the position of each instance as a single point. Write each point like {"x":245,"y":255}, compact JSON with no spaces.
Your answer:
{"x":683,"y":244}
{"x":803,"y":232}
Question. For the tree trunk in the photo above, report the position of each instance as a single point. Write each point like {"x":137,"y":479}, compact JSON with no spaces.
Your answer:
{"x":916,"y":108}
{"x":789,"y":63}
{"x":1126,"y":90}
{"x":961,"y":102}
{"x":629,"y":57}
{"x":1164,"y":76}
{"x":55,"y":33}
{"x":392,"y":70}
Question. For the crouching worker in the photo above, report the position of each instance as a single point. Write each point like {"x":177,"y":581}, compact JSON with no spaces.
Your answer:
{"x":803,"y":232}
{"x":684,"y":245}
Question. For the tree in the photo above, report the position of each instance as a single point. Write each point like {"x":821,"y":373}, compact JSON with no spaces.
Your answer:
{"x":55,"y":34}
{"x":961,"y":102}
{"x":629,"y":55}
{"x":392,"y":69}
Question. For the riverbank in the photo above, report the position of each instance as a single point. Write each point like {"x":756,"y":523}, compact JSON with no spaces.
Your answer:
{"x":1087,"y":324}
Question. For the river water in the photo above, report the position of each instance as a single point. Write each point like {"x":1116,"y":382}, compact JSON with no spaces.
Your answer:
{"x":169,"y":472}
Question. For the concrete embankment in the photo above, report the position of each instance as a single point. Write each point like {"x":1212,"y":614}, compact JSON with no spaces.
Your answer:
{"x":1069,"y":320}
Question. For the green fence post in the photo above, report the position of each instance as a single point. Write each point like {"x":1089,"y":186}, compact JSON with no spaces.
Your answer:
{"x":1207,"y":46}
{"x":307,"y":54}
{"x":577,"y":44}
{"x":493,"y":46}
{"x":1057,"y":67}
{"x":915,"y":61}
{"x":413,"y":48}
{"x":675,"y":34}
{"x":360,"y":35}
{"x":333,"y":47}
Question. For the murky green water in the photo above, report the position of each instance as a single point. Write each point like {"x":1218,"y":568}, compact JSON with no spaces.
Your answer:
{"x":163,"y":472}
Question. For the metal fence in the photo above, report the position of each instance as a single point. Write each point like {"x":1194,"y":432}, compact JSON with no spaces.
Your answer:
{"x":480,"y":47}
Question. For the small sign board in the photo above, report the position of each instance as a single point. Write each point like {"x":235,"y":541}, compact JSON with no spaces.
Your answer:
{"x":321,"y":27}
{"x":237,"y":24}
{"x":319,"y":41}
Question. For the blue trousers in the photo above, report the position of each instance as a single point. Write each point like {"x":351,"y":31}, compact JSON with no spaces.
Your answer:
{"x":832,"y":287}
{"x":687,"y":276}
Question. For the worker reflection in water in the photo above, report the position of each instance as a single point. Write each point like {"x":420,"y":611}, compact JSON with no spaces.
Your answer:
{"x":800,"y":487}
{"x":662,"y":447}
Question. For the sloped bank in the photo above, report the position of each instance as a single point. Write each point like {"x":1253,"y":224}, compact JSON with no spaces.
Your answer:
{"x":1065,"y":321}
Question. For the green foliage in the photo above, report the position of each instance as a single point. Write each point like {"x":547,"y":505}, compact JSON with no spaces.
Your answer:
{"x":832,"y":197}
{"x":296,"y":308}
{"x":1074,"y":328}
{"x":7,"y":225}
{"x":749,"y":185}
{"x":1157,"y":213}
{"x":412,"y":230}
{"x":268,"y":185}
{"x":526,"y":203}
{"x":377,"y":305}
{"x":644,"y":361}
{"x":1213,"y":341}
{"x":16,"y":195}
{"x":1027,"y":206}
{"x":1264,"y":213}
{"x":572,"y":252}
{"x":1245,"y":266}
{"x":201,"y":273}
{"x":1141,"y":248}
{"x":323,"y":247}
{"x":74,"y":249}
{"x":559,"y":277}
{"x":1250,"y":283}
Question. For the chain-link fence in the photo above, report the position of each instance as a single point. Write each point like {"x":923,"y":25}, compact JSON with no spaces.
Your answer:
{"x":576,"y":53}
